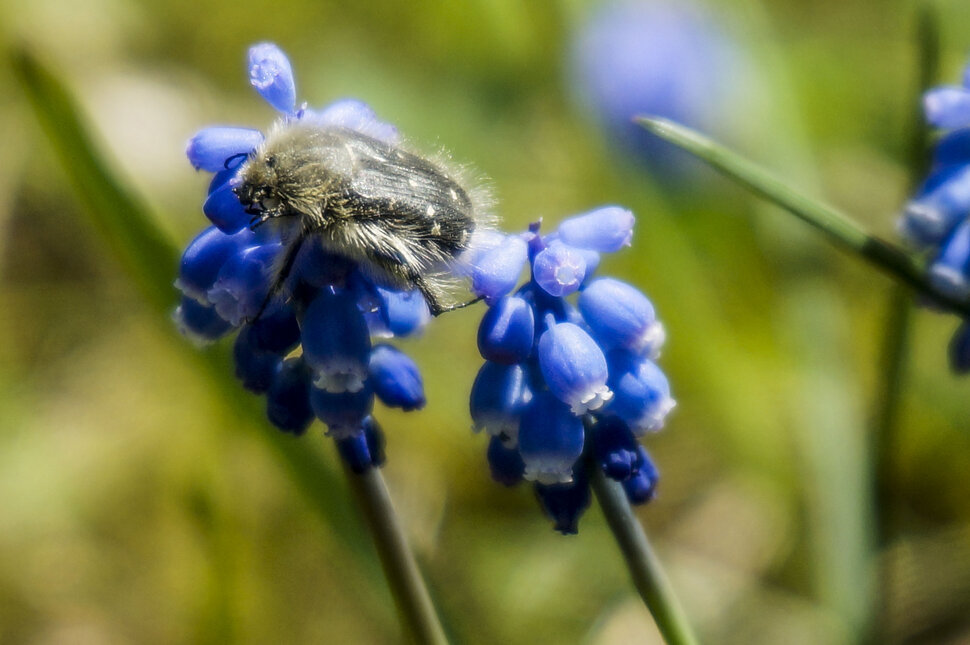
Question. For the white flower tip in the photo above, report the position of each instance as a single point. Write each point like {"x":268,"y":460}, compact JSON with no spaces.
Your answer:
{"x":548,"y":472}
{"x":653,"y":419}
{"x":338,"y":379}
{"x":594,"y":399}
{"x":652,"y":340}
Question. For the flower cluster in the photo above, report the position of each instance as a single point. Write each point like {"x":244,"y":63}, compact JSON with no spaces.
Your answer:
{"x":566,"y":380}
{"x":937,"y":220}
{"x":310,"y":351}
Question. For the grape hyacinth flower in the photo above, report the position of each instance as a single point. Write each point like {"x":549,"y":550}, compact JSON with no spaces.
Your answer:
{"x":309,"y":350}
{"x":936,"y":221}
{"x":669,"y":58}
{"x":569,"y":369}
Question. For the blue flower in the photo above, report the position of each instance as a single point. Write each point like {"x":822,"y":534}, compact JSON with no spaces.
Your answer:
{"x":561,"y":381}
{"x":668,"y":58}
{"x":305,"y":344}
{"x":936,"y":221}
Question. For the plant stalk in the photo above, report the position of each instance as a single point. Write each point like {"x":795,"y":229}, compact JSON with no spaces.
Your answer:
{"x":643,"y":564}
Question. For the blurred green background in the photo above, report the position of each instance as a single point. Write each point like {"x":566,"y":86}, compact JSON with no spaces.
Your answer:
{"x":138,"y":507}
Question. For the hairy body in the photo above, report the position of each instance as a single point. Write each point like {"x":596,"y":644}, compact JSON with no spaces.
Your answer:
{"x":402,"y":218}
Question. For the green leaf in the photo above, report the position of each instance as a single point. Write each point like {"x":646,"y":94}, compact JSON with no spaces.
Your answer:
{"x":128,"y":228}
{"x":836,"y":226}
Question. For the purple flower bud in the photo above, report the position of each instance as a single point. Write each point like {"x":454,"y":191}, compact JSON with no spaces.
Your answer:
{"x":504,"y":462}
{"x":343,"y":412}
{"x":200,"y":323}
{"x":204,"y":257}
{"x":947,"y":107}
{"x":211,"y":148}
{"x":507,"y":331}
{"x":288,"y":399}
{"x":574,"y":367}
{"x":564,"y":504}
{"x":244,"y":282}
{"x":355,"y":115}
{"x":621,"y":316}
{"x":223,"y":209}
{"x":642,"y":486}
{"x":642,"y":394}
{"x":270,"y":73}
{"x":254,"y":366}
{"x":605,"y":229}
{"x":403,"y":313}
{"x":559,"y":269}
{"x":498,"y":399}
{"x":959,"y":349}
{"x":396,"y":379}
{"x":948,"y":273}
{"x":496,"y":271}
{"x":336,"y":342}
{"x":550,"y":440}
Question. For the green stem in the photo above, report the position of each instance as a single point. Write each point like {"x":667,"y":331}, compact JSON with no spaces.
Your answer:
{"x":648,"y":574}
{"x":400,"y":568}
{"x":885,"y":431}
{"x":838,"y":227}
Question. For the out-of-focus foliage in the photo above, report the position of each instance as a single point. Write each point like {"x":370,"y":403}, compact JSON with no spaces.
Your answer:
{"x":135,"y":509}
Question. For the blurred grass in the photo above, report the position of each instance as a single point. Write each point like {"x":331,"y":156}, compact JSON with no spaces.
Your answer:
{"x":127,"y":519}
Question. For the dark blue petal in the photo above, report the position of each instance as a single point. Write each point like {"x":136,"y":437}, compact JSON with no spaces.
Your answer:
{"x":270,"y":73}
{"x":364,"y":449}
{"x":641,"y":392}
{"x":204,"y":257}
{"x":559,"y":269}
{"x":498,"y":398}
{"x":954,"y":148}
{"x":223,"y":209}
{"x":336,"y":342}
{"x":621,"y":316}
{"x":211,"y":148}
{"x":254,"y":366}
{"x":564,"y":504}
{"x":199,"y":323}
{"x":947,"y":107}
{"x":396,"y":379}
{"x":277,"y":330}
{"x":550,"y":440}
{"x":343,"y":412}
{"x":574,"y":367}
{"x":504,"y":463}
{"x":615,"y":449}
{"x":507,"y":332}
{"x":244,"y":282}
{"x":605,"y":229}
{"x":288,"y":399}
{"x":960,"y":349}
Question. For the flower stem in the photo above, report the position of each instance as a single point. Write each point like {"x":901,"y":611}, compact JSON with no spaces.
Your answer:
{"x":413,"y":601}
{"x":885,"y":431}
{"x":644,"y":566}
{"x":837,"y":226}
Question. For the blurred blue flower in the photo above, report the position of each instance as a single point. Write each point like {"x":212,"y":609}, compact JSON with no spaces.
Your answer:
{"x":561,"y":381}
{"x":308,"y":349}
{"x":669,"y":58}
{"x":936,"y":221}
